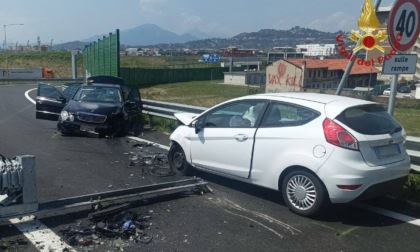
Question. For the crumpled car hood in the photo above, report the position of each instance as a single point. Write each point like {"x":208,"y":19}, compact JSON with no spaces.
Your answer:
{"x":186,"y":118}
{"x":95,"y":108}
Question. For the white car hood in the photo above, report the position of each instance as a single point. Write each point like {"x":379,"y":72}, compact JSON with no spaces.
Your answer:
{"x":186,"y":118}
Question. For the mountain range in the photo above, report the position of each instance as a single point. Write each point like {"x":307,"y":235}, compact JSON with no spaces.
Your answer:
{"x":149,"y":35}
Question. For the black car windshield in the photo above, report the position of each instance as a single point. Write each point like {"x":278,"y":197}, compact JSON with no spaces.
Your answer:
{"x":370,"y":120}
{"x":98,"y":94}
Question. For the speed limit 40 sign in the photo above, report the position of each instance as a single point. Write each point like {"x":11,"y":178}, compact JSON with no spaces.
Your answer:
{"x":404,"y":28}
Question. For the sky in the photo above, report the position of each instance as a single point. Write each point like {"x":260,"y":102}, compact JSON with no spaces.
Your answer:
{"x":59,"y":21}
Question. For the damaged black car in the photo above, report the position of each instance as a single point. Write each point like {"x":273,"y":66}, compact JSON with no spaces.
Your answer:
{"x":103,"y":105}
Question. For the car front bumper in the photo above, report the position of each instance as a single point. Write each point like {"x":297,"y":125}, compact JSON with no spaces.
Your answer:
{"x":81,"y":127}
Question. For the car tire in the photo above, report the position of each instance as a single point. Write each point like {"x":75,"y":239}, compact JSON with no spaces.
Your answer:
{"x":304,"y":194}
{"x":177,"y":161}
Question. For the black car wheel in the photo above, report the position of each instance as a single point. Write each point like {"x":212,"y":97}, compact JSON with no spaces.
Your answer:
{"x":177,"y":161}
{"x":304,"y":194}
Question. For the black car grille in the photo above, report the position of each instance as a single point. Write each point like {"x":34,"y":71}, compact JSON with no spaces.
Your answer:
{"x":91,"y":118}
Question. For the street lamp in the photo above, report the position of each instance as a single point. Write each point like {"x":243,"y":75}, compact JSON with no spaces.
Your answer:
{"x":5,"y":43}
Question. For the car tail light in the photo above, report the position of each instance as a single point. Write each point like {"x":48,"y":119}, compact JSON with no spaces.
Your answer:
{"x":337,"y":135}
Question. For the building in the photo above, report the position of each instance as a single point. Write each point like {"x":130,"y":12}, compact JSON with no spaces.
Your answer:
{"x":416,"y":50}
{"x":283,"y":53}
{"x":253,"y":78}
{"x":288,"y":75}
{"x":317,"y":50}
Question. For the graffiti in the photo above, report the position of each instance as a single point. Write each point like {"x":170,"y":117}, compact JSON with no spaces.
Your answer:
{"x":291,"y":81}
{"x":273,"y":79}
{"x":281,"y":69}
{"x":288,"y":80}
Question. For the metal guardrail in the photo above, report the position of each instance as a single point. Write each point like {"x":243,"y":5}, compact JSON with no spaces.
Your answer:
{"x":167,"y":110}
{"x":18,"y":184}
{"x":6,"y":81}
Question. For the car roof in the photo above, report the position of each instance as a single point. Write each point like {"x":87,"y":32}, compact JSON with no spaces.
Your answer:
{"x":333,"y":105}
{"x":311,"y":97}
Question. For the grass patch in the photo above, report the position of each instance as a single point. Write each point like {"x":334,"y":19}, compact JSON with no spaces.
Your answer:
{"x":409,"y":119}
{"x":411,"y":190}
{"x":197,"y":93}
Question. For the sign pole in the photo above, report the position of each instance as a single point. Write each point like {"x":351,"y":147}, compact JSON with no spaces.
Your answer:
{"x":403,"y":30}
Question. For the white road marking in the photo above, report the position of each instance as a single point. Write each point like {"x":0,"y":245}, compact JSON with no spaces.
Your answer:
{"x":39,"y":235}
{"x":28,"y":97}
{"x":388,"y":213}
{"x":149,"y":142}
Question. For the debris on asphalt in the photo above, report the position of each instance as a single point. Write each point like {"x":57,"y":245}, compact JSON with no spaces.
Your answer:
{"x":113,"y":225}
{"x":153,"y":163}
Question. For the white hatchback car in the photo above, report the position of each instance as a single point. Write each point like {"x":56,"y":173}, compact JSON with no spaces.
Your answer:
{"x":315,"y":149}
{"x":387,"y":92}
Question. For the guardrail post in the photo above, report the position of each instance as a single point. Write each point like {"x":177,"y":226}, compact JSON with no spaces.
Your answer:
{"x":29,"y":191}
{"x":151,"y":123}
{"x":25,"y":200}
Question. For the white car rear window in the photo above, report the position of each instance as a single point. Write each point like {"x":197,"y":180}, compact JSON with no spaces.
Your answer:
{"x":372,"y":119}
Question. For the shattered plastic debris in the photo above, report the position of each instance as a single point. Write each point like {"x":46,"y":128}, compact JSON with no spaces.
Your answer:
{"x":112,"y":223}
{"x":156,"y":163}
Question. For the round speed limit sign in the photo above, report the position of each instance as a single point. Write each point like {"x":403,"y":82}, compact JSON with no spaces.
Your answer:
{"x":404,"y":28}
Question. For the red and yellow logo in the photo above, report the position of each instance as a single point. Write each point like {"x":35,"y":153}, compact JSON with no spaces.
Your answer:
{"x":369,"y":23}
{"x":367,"y":40}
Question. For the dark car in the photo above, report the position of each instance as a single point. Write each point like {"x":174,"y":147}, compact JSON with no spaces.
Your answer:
{"x":404,"y":89}
{"x":102,"y":105}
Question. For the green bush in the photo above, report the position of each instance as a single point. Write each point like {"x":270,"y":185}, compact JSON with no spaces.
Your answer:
{"x":411,"y":189}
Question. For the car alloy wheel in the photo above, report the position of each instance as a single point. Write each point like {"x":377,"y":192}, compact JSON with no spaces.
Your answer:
{"x":303,"y":193}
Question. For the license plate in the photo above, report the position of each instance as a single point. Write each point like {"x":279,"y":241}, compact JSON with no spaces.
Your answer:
{"x":87,"y":128}
{"x":387,"y":151}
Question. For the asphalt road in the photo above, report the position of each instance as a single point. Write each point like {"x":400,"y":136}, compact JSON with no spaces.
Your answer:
{"x":235,"y":217}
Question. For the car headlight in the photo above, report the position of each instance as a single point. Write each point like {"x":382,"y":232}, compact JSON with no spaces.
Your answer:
{"x":64,"y":115}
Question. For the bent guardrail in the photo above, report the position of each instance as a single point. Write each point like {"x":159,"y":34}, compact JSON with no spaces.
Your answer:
{"x":167,"y":109}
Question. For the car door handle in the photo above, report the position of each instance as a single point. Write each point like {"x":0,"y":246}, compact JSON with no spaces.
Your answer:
{"x":241,"y":137}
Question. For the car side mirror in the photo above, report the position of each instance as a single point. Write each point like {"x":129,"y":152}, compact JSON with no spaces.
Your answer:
{"x":198,"y":125}
{"x":61,"y":99}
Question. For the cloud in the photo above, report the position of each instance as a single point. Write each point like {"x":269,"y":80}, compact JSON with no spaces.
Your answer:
{"x":189,"y":21}
{"x":336,"y":21}
{"x":151,"y":6}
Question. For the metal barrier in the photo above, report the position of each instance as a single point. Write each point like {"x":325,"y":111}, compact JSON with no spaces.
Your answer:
{"x":7,"y":81}
{"x":18,"y":182}
{"x":166,"y":109}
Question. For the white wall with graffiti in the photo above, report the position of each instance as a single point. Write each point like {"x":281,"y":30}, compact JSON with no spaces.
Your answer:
{"x":282,"y":76}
